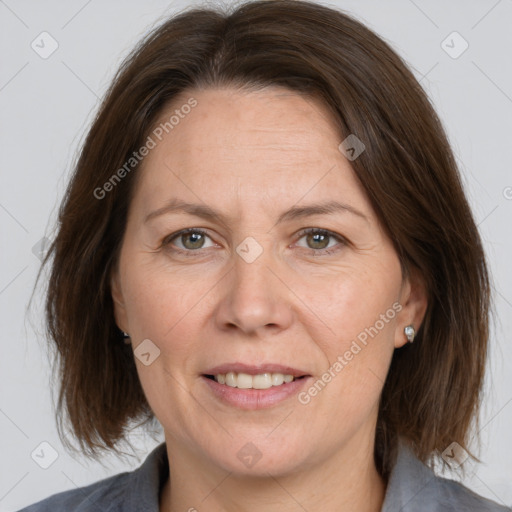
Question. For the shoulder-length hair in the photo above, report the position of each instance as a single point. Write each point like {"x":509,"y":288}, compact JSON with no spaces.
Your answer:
{"x":432,"y":391}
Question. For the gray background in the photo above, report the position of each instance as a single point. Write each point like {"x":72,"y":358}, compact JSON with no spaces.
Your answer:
{"x":47,"y":104}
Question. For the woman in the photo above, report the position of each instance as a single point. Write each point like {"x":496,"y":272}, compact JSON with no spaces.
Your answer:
{"x":267,"y":211}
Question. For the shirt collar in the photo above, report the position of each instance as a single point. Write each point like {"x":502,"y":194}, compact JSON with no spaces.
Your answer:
{"x":146,"y":482}
{"x":408,"y":477}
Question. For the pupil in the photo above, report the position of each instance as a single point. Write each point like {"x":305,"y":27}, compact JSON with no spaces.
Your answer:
{"x":316,"y":240}
{"x":196,"y":240}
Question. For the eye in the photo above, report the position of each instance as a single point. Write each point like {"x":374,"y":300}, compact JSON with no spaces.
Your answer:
{"x":320,"y":239}
{"x":191,"y":239}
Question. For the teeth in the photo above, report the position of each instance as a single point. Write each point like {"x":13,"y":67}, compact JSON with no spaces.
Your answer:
{"x":246,"y":381}
{"x":277,"y":379}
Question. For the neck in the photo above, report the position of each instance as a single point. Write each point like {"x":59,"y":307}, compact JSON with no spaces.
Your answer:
{"x":347,"y":481}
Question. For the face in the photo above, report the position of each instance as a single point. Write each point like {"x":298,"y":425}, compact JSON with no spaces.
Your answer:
{"x":267,"y":283}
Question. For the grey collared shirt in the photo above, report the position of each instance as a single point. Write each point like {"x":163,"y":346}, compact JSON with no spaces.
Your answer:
{"x":412,"y":487}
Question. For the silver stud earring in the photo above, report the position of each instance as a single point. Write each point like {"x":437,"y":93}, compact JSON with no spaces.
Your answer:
{"x":126,"y":337}
{"x":410,"y":333}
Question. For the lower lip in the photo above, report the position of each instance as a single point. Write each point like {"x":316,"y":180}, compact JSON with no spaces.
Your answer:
{"x":251,"y":399}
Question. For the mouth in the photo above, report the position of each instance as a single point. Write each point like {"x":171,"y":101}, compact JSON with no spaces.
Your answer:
{"x":263,"y":380}
{"x":253,"y":387}
{"x":260,"y":390}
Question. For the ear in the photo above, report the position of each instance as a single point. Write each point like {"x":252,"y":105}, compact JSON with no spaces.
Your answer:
{"x":414,"y":301}
{"x":117,"y":296}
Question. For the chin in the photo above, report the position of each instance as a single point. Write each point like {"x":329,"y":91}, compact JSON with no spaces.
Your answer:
{"x":261,"y":457}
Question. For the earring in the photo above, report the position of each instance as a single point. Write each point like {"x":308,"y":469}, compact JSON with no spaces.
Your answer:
{"x":126,"y":337}
{"x":410,"y":333}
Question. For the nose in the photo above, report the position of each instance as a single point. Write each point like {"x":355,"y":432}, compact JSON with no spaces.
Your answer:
{"x":255,"y":298}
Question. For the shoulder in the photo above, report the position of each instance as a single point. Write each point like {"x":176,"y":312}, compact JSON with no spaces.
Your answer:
{"x":103,"y":495}
{"x":453,"y":495}
{"x":134,"y":490}
{"x":413,"y":487}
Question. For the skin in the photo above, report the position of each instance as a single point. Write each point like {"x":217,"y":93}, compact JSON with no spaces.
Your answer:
{"x":253,"y":155}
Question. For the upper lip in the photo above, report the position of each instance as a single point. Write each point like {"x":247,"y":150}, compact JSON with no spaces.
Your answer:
{"x":252,"y":369}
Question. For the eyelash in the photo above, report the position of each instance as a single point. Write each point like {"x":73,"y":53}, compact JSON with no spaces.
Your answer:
{"x":316,"y":231}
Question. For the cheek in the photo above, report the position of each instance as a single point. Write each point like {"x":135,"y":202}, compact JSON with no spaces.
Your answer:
{"x":361,"y":309}
{"x":354,"y":304}
{"x":357,"y":350}
{"x":159,"y":302}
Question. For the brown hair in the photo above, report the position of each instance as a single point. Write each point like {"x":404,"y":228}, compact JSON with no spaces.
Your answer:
{"x":432,"y":391}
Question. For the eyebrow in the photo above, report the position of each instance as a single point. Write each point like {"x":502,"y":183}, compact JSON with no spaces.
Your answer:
{"x":295,"y":212}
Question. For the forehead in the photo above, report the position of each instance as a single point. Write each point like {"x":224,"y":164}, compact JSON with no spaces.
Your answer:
{"x":266,"y":147}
